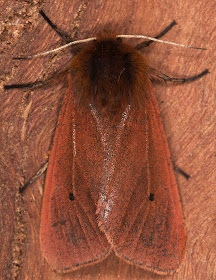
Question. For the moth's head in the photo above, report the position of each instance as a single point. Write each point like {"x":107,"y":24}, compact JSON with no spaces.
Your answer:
{"x":109,"y":73}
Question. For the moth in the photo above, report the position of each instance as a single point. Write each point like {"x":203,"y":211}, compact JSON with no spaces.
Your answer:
{"x":110,"y":184}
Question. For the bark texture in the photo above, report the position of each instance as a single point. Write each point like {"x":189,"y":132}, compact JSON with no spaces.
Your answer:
{"x":28,"y":119}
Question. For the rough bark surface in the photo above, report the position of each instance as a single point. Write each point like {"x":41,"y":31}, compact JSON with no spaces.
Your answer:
{"x":28,"y":119}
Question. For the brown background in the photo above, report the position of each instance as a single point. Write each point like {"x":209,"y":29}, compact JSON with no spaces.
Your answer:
{"x":28,"y":118}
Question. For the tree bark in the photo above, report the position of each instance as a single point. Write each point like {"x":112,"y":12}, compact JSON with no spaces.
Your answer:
{"x":28,"y":119}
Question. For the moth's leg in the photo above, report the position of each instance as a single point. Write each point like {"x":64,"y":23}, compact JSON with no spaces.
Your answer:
{"x":180,"y":171}
{"x":58,"y":76}
{"x":52,"y":80}
{"x":147,"y":43}
{"x":27,"y":85}
{"x":160,"y":76}
{"x":66,"y":37}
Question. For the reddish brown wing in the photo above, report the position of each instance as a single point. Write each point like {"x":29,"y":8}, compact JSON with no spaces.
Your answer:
{"x":115,"y":171}
{"x":141,"y":213}
{"x":69,"y":233}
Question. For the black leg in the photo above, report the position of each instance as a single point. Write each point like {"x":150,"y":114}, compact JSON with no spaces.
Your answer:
{"x":58,"y":76}
{"x":177,"y":80}
{"x":147,"y":43}
{"x":180,"y":171}
{"x":62,"y":34}
{"x":27,"y":85}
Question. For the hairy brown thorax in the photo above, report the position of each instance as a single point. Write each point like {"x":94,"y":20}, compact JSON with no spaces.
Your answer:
{"x":110,"y":74}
